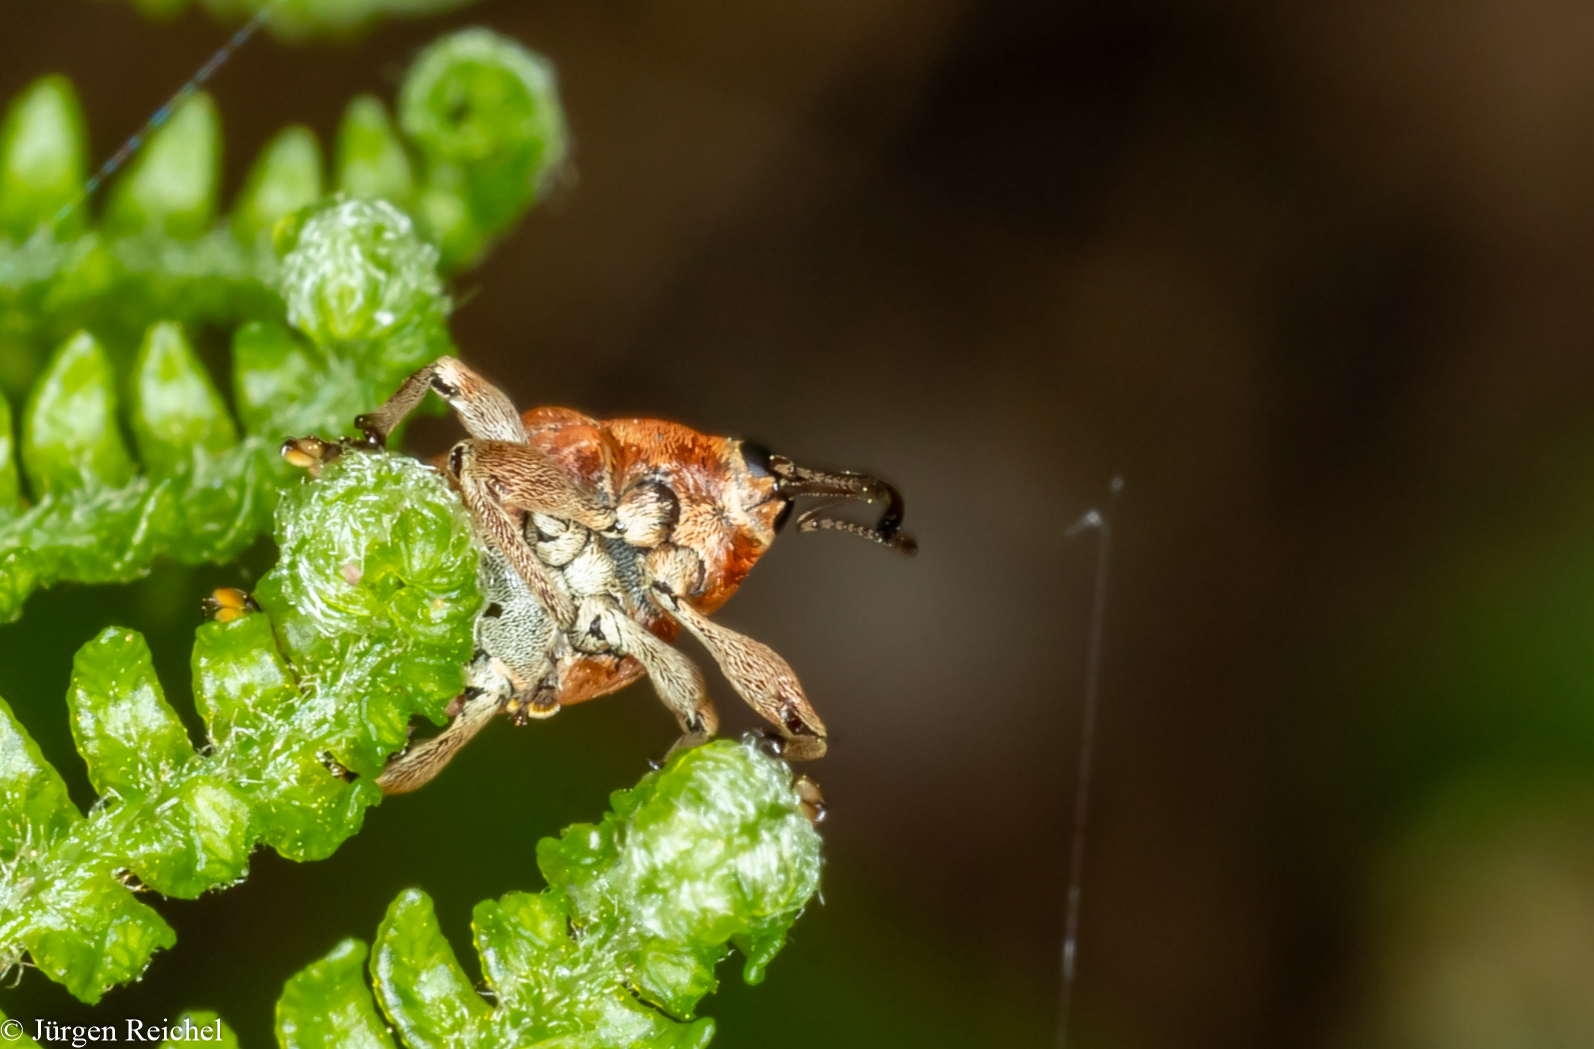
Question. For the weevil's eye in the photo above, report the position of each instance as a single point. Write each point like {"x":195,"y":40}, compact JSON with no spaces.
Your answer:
{"x":447,"y":389}
{"x":456,"y":459}
{"x":757,"y":458}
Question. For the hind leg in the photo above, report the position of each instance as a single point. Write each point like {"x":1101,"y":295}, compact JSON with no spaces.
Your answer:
{"x":757,"y":672}
{"x":675,"y":678}
{"x":415,"y":766}
{"x":515,"y":643}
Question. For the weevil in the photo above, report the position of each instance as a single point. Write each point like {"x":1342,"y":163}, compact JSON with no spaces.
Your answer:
{"x":601,"y":540}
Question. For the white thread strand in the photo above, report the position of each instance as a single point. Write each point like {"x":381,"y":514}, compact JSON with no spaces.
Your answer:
{"x":136,"y":141}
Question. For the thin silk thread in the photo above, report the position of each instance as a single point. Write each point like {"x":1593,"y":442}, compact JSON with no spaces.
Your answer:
{"x":1099,"y":522}
{"x":136,"y":141}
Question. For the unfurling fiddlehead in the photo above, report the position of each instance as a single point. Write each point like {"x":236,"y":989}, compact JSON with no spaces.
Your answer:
{"x":355,"y":276}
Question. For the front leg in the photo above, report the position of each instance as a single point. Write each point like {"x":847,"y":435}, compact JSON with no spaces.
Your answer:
{"x":501,"y":482}
{"x":499,"y":530}
{"x":528,"y":480}
{"x":485,"y":411}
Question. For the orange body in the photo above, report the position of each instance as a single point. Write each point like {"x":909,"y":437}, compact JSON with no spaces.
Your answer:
{"x":728,"y":513}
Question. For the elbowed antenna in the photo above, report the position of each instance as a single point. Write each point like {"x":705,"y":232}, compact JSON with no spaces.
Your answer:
{"x":842,"y":487}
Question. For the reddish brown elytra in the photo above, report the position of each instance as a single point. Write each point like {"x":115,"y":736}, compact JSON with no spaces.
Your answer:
{"x":601,"y":541}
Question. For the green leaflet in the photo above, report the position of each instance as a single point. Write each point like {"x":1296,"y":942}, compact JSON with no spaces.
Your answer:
{"x":10,"y":485}
{"x":371,"y":162}
{"x":89,"y":934}
{"x":43,"y":157}
{"x":287,"y":177}
{"x":369,"y":650}
{"x":171,"y":187}
{"x":357,"y":276}
{"x":32,"y":793}
{"x":718,"y":828}
{"x":419,"y":983}
{"x":617,"y":952}
{"x":179,"y":415}
{"x":70,"y":434}
{"x":327,"y":1004}
{"x":129,"y":737}
{"x":372,"y":590}
{"x":489,"y":134}
{"x":256,"y":711}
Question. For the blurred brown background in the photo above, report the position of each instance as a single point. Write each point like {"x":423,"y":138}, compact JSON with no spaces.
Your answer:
{"x":1314,"y":278}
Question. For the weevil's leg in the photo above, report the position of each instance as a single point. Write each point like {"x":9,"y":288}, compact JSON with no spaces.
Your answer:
{"x":415,"y":767}
{"x":811,"y":799}
{"x":502,"y":482}
{"x":499,"y":530}
{"x":675,"y":678}
{"x":529,"y":480}
{"x":755,"y":670}
{"x":310,"y":453}
{"x":482,"y":407}
{"x":762,"y":678}
{"x":516,"y":642}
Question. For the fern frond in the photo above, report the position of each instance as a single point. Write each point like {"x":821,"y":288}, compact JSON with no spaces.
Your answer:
{"x":367,"y":622}
{"x":480,"y":131}
{"x":356,"y":277}
{"x":357,"y":281}
{"x":711,"y":850}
